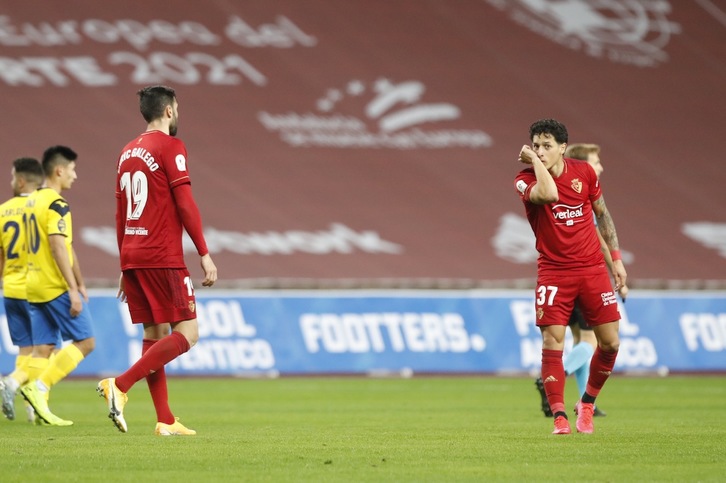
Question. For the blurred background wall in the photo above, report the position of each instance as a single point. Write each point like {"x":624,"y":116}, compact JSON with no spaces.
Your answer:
{"x":374,"y":143}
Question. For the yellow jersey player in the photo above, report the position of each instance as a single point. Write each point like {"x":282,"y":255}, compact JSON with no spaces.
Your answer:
{"x":27,"y":176}
{"x":56,"y":292}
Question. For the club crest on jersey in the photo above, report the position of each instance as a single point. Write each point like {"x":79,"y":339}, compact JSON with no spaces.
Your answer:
{"x":577,"y":185}
{"x":192,"y":306}
{"x":540,"y":313}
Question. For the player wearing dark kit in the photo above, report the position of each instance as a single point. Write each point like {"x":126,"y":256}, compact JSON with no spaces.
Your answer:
{"x":560,"y":196}
{"x":154,"y":206}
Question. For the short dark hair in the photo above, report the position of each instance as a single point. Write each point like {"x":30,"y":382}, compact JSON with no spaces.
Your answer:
{"x":549,"y":126}
{"x":153,"y":100}
{"x":30,"y":169}
{"x":55,"y":155}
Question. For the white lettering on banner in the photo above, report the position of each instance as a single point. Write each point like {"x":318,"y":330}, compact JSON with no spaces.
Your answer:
{"x":338,"y":239}
{"x":295,"y":122}
{"x":45,"y":34}
{"x":531,"y":352}
{"x":226,"y":341}
{"x":219,"y":355}
{"x":35,"y":71}
{"x":241,"y":354}
{"x":156,"y":67}
{"x":393,"y":117}
{"x":131,"y":329}
{"x":523,"y":316}
{"x":634,"y":351}
{"x":413,"y":139}
{"x":282,"y":34}
{"x":187,"y":69}
{"x":626,"y":328}
{"x":218,"y":318}
{"x":368,"y":332}
{"x":707,"y":330}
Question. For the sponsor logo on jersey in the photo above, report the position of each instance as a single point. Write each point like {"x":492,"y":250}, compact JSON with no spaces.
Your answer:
{"x":568,"y":215}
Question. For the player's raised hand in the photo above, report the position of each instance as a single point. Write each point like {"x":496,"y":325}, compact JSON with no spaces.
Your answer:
{"x":210,"y":271}
{"x":526,"y":154}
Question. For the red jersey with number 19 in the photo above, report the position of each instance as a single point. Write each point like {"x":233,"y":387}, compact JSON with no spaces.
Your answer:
{"x":565,"y":233}
{"x":149,"y":228}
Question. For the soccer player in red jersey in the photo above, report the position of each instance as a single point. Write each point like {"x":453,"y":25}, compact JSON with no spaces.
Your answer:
{"x":584,"y":342}
{"x":560,"y":196}
{"x":154,"y":204}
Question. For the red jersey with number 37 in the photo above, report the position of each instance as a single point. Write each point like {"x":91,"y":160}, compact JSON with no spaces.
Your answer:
{"x":565,"y":232}
{"x":149,"y":229}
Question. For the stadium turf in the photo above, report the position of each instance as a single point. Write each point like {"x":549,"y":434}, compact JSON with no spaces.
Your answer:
{"x":365,"y":429}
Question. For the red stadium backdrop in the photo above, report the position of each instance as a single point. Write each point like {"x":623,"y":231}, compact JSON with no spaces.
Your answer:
{"x":374,"y":142}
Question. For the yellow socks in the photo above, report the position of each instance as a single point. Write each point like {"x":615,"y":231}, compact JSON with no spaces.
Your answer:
{"x":61,"y":365}
{"x":36,"y":366}
{"x":20,"y":374}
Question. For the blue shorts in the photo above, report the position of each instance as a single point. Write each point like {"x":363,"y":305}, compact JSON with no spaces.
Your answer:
{"x":18,"y":313}
{"x":50,"y":318}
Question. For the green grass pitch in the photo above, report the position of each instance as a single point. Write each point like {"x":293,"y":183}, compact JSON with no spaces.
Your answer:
{"x":424,"y":429}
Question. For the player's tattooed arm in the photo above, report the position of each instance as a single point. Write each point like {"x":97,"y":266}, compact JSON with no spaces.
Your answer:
{"x":605,"y":224}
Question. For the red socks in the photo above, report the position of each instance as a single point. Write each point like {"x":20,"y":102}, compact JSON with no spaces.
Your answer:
{"x":600,"y":368}
{"x":154,"y":359}
{"x":157,"y":388}
{"x":553,"y":377}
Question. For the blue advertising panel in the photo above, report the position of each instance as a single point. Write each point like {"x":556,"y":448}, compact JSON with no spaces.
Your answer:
{"x":398,"y":332}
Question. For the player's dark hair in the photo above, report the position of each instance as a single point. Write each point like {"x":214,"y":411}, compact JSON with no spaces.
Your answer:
{"x":549,"y":126}
{"x":55,"y":155}
{"x":30,"y":169}
{"x":153,"y":100}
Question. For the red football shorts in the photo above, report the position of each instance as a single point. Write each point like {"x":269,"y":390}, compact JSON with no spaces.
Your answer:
{"x":557,"y":292}
{"x":159,"y":295}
